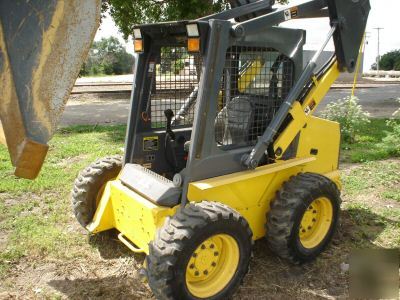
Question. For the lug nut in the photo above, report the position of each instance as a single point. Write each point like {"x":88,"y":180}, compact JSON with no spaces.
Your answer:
{"x":203,"y":247}
{"x":303,"y":230}
{"x":196,"y":273}
{"x":194,"y":255}
{"x":214,"y":264}
{"x":309,"y":227}
{"x":314,"y":211}
{"x":216,"y":253}
{"x":205,"y":272}
{"x":212,"y":246}
{"x":191,"y":266}
{"x":314,"y":220}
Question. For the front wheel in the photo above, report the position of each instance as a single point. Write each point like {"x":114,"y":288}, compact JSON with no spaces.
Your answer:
{"x":303,"y":217}
{"x":89,"y":186}
{"x":202,"y":252}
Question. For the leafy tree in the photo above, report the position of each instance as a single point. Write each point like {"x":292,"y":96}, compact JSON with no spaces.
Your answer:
{"x":390,"y":61}
{"x":126,"y":13}
{"x":107,"y":56}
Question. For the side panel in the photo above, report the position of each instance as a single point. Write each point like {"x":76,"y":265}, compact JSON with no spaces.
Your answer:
{"x":321,"y":139}
{"x":249,"y":192}
{"x":131,"y":214}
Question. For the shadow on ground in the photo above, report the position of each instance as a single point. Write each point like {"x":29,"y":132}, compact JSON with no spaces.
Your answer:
{"x":103,"y":288}
{"x":269,"y":276}
{"x":110,"y":247}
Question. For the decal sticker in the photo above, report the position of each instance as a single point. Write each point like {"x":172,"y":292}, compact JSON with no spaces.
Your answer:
{"x":294,"y":12}
{"x":147,"y":166}
{"x":151,"y":67}
{"x":150,"y":143}
{"x":287,"y":14}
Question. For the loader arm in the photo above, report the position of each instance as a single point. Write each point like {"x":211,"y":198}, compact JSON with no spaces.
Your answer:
{"x":42,"y":47}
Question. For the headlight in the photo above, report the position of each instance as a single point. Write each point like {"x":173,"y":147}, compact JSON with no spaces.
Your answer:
{"x":192,"y":30}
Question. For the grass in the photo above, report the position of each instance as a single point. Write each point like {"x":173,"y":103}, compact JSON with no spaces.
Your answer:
{"x":372,"y":192}
{"x":367,"y":146}
{"x":33,"y":213}
{"x":36,"y":218}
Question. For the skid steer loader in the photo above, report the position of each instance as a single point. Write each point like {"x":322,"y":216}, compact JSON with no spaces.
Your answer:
{"x":222,"y":147}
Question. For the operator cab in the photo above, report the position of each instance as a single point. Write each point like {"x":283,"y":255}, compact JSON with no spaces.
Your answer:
{"x":255,"y":81}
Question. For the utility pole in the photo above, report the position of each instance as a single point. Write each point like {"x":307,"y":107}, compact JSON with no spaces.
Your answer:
{"x":378,"y":58}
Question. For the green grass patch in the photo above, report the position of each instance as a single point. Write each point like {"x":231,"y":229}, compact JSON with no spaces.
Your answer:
{"x":70,"y":150}
{"x":35,"y":214}
{"x":378,"y":175}
{"x":367,"y":146}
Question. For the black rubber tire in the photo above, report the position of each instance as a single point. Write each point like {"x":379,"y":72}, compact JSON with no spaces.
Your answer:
{"x":88,"y":184}
{"x":181,"y":235}
{"x":287,"y":210}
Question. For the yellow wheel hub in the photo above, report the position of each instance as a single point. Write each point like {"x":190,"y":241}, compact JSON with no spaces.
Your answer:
{"x":316,"y":222}
{"x":212,"y":266}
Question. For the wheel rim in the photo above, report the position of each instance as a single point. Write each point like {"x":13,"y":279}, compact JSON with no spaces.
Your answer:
{"x":212,"y":266}
{"x":316,"y":222}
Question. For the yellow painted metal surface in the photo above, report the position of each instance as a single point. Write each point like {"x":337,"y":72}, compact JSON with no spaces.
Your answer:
{"x":316,"y":222}
{"x":248,"y":76}
{"x":249,"y":192}
{"x":318,"y":92}
{"x":131,"y":214}
{"x":290,"y":132}
{"x":321,"y":136}
{"x":301,"y":114}
{"x":212,"y":266}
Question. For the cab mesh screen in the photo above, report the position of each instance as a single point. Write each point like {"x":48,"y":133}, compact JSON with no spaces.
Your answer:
{"x":174,"y":86}
{"x":255,"y":82}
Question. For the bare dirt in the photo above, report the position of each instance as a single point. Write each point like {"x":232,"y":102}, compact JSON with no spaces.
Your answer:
{"x":108,"y":270}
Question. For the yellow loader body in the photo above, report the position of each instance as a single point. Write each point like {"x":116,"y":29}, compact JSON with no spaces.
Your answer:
{"x":248,"y":192}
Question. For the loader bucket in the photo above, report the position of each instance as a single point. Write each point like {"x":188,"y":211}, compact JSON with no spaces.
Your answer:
{"x":42,"y":47}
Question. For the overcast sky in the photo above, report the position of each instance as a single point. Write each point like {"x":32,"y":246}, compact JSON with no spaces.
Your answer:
{"x":384,"y":13}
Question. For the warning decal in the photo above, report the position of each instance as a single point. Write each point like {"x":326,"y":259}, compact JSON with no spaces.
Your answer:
{"x":291,"y":13}
{"x":288,"y":15}
{"x":150,"y":143}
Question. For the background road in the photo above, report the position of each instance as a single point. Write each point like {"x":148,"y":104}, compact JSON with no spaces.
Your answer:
{"x":113,"y":108}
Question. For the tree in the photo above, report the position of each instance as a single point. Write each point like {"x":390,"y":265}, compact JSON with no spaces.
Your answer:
{"x":107,"y":56}
{"x":390,"y":61}
{"x":126,"y":13}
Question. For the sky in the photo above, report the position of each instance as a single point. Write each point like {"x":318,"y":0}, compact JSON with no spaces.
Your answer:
{"x":384,"y":13}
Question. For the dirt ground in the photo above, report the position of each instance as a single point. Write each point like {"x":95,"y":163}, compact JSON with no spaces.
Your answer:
{"x":109,"y":271}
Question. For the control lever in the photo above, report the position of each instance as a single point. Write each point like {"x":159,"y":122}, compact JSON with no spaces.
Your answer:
{"x":169,"y":140}
{"x":169,"y":114}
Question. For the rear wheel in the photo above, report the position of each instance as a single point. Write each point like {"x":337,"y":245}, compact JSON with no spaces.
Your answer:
{"x":202,"y":252}
{"x":89,"y":186}
{"x":303,"y":217}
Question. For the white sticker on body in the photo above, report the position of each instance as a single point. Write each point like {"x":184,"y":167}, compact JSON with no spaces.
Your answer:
{"x":287,"y":14}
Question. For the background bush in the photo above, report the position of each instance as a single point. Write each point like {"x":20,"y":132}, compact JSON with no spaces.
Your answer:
{"x":349,"y":114}
{"x":107,"y":57}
